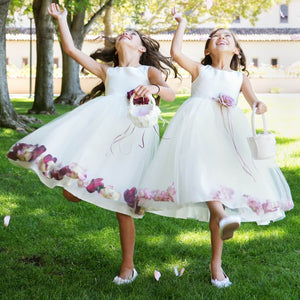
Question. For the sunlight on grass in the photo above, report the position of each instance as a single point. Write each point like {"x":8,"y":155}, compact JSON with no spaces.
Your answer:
{"x":5,"y":132}
{"x":168,"y":114}
{"x":190,"y":238}
{"x":250,"y":235}
{"x":156,"y":240}
{"x":38,"y":212}
{"x":9,"y":202}
{"x":26,"y":99}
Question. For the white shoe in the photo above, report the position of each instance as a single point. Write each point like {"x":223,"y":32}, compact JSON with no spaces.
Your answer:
{"x":228,"y":226}
{"x":221,"y":284}
{"x":118,"y":280}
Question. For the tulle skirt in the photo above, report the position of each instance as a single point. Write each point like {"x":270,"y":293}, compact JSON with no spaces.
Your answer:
{"x":94,"y":152}
{"x":204,"y":156}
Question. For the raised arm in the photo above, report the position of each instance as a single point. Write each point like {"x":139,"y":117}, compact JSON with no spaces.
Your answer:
{"x":176,"y":48}
{"x":68,"y":45}
{"x":251,"y":97}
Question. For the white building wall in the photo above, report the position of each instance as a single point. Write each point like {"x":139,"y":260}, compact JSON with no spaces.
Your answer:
{"x":270,"y":18}
{"x":285,"y":50}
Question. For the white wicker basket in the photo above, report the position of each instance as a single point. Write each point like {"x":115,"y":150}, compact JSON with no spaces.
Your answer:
{"x":263,"y":146}
{"x":144,"y":115}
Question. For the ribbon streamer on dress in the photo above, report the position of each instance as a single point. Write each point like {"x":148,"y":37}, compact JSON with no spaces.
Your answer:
{"x":230,"y":131}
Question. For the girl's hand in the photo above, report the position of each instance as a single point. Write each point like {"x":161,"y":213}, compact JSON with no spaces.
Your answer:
{"x":55,"y":11}
{"x":145,"y":90}
{"x":261,"y":108}
{"x":177,"y":16}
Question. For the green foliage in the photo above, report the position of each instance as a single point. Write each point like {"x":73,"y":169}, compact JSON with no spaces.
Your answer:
{"x":54,"y":249}
{"x":154,"y":16}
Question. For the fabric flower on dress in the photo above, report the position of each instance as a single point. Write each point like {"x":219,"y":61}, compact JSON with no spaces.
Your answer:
{"x":26,"y":152}
{"x":47,"y":164}
{"x":95,"y":185}
{"x":132,"y":200}
{"x":137,"y":101}
{"x":223,"y":193}
{"x":269,"y":206}
{"x":157,"y":195}
{"x":226,"y":100}
{"x":58,"y":173}
{"x":109,"y":193}
{"x":130,"y":196}
{"x":254,"y":204}
{"x":51,"y":169}
{"x":75,"y":171}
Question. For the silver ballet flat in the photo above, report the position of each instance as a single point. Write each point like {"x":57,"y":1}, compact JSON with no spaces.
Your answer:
{"x":221,"y":284}
{"x":118,"y":280}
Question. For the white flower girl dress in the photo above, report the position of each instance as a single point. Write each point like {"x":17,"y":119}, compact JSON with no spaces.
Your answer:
{"x":94,"y":151}
{"x":204,"y":155}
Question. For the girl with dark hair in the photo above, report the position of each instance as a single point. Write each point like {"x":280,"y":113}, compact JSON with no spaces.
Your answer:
{"x":90,"y":151}
{"x":204,"y":154}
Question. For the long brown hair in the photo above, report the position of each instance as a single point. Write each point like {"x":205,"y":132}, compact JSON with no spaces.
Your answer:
{"x":151,"y":57}
{"x":238,"y":61}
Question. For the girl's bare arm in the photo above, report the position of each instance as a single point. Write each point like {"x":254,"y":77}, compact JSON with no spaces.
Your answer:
{"x":176,"y":48}
{"x":68,"y":45}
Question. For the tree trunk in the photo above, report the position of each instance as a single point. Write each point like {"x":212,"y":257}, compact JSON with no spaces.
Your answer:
{"x":43,"y":100}
{"x":8,"y":115}
{"x":107,"y":20}
{"x":71,"y":92}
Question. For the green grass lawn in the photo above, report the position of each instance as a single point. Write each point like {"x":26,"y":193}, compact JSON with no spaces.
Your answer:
{"x":54,"y":249}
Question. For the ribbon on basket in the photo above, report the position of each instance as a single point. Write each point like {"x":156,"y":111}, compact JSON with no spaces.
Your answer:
{"x":229,"y":103}
{"x":143,"y":113}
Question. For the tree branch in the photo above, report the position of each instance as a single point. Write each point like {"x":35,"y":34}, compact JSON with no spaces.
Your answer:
{"x":96,"y":15}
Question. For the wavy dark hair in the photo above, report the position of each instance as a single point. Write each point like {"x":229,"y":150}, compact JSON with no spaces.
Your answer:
{"x":151,"y":57}
{"x":238,"y":62}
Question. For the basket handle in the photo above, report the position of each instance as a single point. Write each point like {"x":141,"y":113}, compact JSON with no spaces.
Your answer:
{"x":253,"y":121}
{"x":150,"y":97}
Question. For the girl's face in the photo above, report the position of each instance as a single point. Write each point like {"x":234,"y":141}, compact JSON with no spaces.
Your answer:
{"x":222,"y":40}
{"x":129,"y":38}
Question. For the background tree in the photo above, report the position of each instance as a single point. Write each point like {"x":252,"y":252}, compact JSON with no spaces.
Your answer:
{"x":8,"y":116}
{"x":43,"y":99}
{"x":71,"y":92}
{"x":154,"y":16}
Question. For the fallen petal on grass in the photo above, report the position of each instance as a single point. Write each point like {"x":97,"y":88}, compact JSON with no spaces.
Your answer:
{"x":6,"y":220}
{"x":176,"y":271}
{"x":157,"y":275}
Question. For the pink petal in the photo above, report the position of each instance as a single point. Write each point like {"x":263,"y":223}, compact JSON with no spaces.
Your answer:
{"x":157,"y":275}
{"x":6,"y":220}
{"x":181,"y":272}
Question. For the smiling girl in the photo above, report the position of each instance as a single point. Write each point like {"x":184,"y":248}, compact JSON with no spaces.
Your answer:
{"x":82,"y":151}
{"x":204,"y":154}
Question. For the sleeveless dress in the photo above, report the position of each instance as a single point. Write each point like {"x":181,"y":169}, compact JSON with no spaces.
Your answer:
{"x":204,"y":155}
{"x":94,"y":151}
